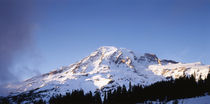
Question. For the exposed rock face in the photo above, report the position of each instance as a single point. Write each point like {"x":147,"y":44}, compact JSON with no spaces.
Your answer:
{"x":164,"y":62}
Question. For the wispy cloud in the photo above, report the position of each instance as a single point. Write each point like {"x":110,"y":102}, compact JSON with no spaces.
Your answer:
{"x":15,"y":34}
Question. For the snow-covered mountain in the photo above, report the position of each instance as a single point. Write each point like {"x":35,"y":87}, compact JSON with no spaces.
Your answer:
{"x":105,"y":69}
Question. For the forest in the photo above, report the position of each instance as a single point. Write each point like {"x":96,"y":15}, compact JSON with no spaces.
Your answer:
{"x":163,"y":91}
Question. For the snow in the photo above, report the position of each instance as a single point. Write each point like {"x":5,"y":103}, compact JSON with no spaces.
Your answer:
{"x":99,"y":81}
{"x":105,"y":69}
{"x":177,"y":70}
{"x":196,"y":100}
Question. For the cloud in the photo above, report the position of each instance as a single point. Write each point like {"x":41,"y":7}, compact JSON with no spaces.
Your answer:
{"x":15,"y":34}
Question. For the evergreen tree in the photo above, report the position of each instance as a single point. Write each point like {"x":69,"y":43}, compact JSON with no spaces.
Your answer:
{"x":163,"y":91}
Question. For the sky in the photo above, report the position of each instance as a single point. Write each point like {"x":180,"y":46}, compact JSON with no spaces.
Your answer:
{"x":57,"y":33}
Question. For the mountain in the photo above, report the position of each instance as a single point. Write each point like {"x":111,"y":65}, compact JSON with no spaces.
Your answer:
{"x":106,"y":69}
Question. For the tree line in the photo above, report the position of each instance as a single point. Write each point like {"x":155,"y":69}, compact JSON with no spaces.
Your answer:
{"x":163,"y":91}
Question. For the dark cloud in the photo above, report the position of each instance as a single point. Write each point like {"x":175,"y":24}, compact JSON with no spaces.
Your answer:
{"x":15,"y":34}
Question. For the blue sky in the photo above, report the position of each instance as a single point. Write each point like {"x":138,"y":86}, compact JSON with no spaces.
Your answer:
{"x":66,"y":31}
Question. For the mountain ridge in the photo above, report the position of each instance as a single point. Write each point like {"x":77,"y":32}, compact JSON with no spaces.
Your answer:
{"x":105,"y":69}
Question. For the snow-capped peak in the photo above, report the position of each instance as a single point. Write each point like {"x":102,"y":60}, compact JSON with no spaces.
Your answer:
{"x":105,"y":69}
{"x":107,"y":52}
{"x":106,"y":49}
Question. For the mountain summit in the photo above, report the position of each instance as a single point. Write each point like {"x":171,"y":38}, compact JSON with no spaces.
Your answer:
{"x":105,"y":69}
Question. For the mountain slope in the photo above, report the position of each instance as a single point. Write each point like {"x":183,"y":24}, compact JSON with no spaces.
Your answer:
{"x":105,"y":69}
